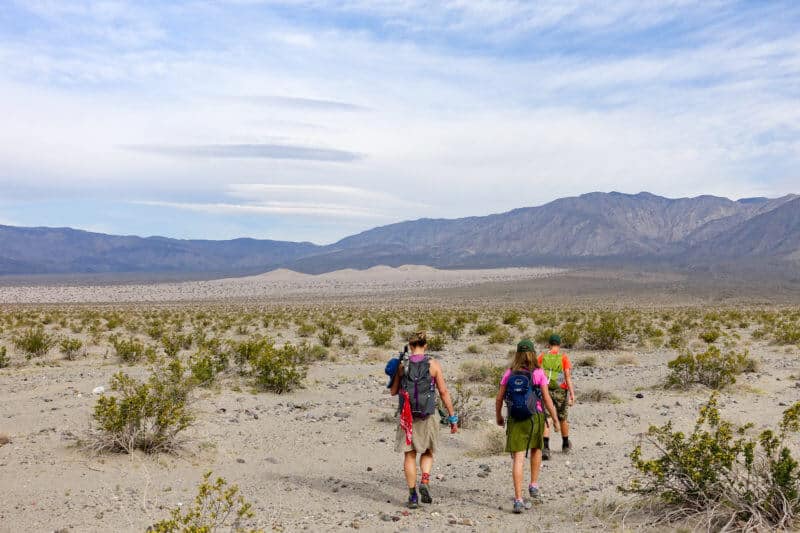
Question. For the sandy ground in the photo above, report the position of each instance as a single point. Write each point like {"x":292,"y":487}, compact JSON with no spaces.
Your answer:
{"x":322,"y":459}
{"x":276,"y":284}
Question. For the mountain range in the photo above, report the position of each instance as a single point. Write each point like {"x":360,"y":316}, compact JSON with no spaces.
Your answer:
{"x":611,"y":228}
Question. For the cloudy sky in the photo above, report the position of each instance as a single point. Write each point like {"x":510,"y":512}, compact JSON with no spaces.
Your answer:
{"x":314,"y":119}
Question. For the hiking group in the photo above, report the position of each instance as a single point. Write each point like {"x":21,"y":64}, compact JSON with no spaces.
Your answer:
{"x":537,"y":392}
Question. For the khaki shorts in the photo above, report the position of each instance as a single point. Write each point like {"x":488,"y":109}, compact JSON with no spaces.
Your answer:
{"x":424,"y":436}
{"x":560,"y":397}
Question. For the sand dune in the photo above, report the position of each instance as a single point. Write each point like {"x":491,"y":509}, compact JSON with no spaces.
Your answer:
{"x":274,"y":284}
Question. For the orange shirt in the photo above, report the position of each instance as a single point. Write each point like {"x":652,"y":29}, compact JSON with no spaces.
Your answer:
{"x":565,"y":363}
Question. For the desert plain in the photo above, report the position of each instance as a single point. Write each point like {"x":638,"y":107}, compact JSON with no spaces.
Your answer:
{"x":320,"y":457}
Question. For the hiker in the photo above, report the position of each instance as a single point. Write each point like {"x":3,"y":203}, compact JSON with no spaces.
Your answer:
{"x":416,"y":381}
{"x":557,"y":367}
{"x":524,"y":389}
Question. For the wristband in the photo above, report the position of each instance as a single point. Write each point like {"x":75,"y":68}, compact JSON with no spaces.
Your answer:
{"x":453,"y":419}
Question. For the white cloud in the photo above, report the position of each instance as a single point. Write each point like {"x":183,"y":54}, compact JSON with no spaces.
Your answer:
{"x":457,"y":107}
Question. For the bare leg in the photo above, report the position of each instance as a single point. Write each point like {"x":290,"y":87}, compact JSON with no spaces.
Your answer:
{"x":410,"y":469}
{"x":536,"y":465}
{"x":565,"y":429}
{"x":426,"y":462}
{"x":517,"y":467}
{"x":547,"y":423}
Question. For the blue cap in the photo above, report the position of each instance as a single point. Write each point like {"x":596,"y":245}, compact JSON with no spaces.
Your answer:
{"x":391,"y":369}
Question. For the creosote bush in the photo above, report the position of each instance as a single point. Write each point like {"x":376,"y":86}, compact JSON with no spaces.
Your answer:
{"x":70,"y":347}
{"x":4,"y":361}
{"x":145,"y":415}
{"x":130,"y":350}
{"x":217,"y":506}
{"x":33,"y":342}
{"x":711,"y":368}
{"x":719,"y":475}
{"x":466,"y":404}
{"x":605,"y":334}
{"x":279,"y":369}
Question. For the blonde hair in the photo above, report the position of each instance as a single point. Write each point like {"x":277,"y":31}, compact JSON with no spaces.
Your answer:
{"x":523,"y":360}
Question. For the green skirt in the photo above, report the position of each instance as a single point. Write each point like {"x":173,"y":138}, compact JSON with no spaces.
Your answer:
{"x":522,"y":435}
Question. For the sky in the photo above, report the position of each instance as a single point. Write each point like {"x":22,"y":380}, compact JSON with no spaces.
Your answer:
{"x":311,"y":120}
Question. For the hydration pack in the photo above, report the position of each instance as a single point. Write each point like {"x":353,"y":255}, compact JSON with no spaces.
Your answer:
{"x":553,"y":366}
{"x":523,"y":398}
{"x":418,"y":383}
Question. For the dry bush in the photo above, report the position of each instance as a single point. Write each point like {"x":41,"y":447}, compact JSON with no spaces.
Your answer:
{"x":466,"y":404}
{"x":491,"y":442}
{"x":588,"y":361}
{"x":604,"y":334}
{"x":70,"y":347}
{"x":481,"y":372}
{"x":626,"y":360}
{"x":597,"y":396}
{"x":4,"y":359}
{"x":4,"y":439}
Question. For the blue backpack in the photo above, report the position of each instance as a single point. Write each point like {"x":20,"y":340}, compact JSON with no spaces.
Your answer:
{"x":523,"y":398}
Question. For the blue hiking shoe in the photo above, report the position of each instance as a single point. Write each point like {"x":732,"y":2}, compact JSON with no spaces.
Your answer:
{"x":519,"y":506}
{"x":413,"y":500}
{"x":533,"y":491}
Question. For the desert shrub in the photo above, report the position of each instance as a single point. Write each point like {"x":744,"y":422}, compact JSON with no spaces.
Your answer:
{"x":501,"y":335}
{"x":381,"y":334}
{"x":473,"y":348}
{"x":309,"y":353}
{"x":348,"y":341}
{"x":247,"y":351}
{"x":33,"y":342}
{"x":587,"y":361}
{"x":129,"y":350}
{"x":143,"y":415}
{"x":676,"y":342}
{"x":481,"y":372}
{"x":485,"y":328}
{"x":204,"y":367}
{"x":711,"y":368}
{"x":605,"y":334}
{"x":710,"y":336}
{"x":306,"y":330}
{"x":721,"y":476}
{"x":217,"y":507}
{"x":328,"y":332}
{"x":569,"y":332}
{"x":626,"y":360}
{"x":436,"y":343}
{"x":171,"y":345}
{"x":4,"y":360}
{"x":597,"y":396}
{"x":467,"y":404}
{"x":70,"y":347}
{"x":279,"y":369}
{"x":787,"y":333}
{"x":491,"y":442}
{"x":511,"y":318}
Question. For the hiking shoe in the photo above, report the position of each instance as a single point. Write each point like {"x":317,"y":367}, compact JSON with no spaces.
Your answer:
{"x":533,"y":491}
{"x":565,"y":448}
{"x":519,"y":506}
{"x":413,"y":501}
{"x":425,"y":493}
{"x":546,"y":454}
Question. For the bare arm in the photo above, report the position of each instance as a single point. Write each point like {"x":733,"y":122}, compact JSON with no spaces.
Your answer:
{"x":568,"y":377}
{"x":548,"y":403}
{"x":396,"y":382}
{"x":441,"y":386}
{"x":498,"y":405}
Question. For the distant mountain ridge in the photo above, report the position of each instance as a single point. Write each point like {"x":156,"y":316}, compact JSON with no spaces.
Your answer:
{"x":623,"y":228}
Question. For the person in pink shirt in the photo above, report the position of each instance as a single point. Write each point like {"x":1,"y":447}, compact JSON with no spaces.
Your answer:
{"x":524,"y":389}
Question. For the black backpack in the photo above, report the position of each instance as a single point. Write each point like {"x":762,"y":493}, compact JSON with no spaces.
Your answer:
{"x":418,"y":383}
